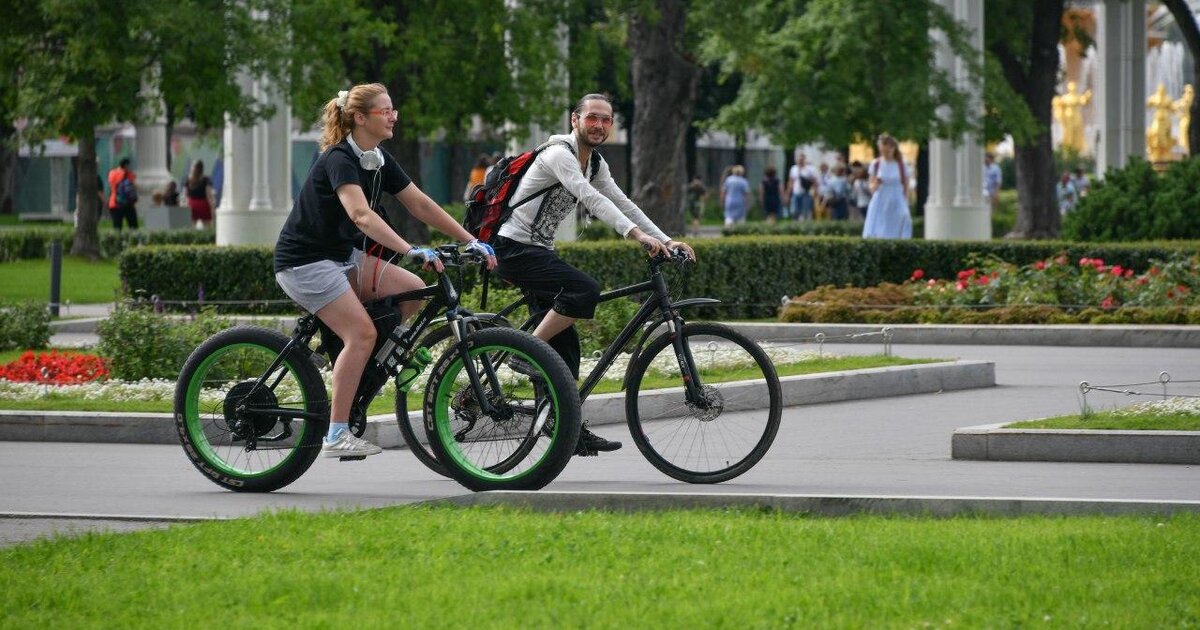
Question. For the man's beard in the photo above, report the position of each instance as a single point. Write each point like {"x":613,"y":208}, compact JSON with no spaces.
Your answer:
{"x":581,"y":136}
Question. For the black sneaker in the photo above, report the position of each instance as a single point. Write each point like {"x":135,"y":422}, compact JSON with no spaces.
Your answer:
{"x":592,"y":444}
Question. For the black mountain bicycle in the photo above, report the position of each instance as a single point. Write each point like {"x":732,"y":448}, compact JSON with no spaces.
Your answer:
{"x":702,"y":401}
{"x":251,"y":407}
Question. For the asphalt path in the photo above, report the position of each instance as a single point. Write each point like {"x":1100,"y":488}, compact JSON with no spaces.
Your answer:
{"x":887,"y":447}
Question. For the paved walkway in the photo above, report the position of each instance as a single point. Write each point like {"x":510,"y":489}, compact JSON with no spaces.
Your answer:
{"x":891,"y":447}
{"x":872,"y":448}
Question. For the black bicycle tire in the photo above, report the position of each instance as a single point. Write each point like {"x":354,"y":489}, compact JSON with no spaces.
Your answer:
{"x":419,"y":448}
{"x":315,"y":395}
{"x":774,"y":406}
{"x":567,"y":422}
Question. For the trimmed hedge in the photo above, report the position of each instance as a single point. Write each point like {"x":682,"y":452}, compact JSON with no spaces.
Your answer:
{"x":31,"y":243}
{"x":750,"y":275}
{"x":1001,"y":225}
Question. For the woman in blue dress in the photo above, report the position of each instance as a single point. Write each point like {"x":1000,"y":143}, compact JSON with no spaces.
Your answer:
{"x":887,"y":214}
{"x":735,"y":192}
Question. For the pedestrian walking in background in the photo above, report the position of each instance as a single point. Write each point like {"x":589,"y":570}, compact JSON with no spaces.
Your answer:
{"x":1066,"y":193}
{"x":478,"y":174}
{"x":735,"y":193}
{"x":860,"y":190}
{"x":122,"y":196}
{"x":802,"y":180}
{"x":770,"y":190}
{"x":1081,"y":182}
{"x":887,"y":214}
{"x":991,"y":180}
{"x":820,"y":200}
{"x":837,"y":194}
{"x":200,"y":197}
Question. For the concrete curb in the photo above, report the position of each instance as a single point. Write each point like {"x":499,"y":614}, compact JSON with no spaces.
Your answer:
{"x":818,"y":505}
{"x":159,"y":428}
{"x":993,"y":443}
{"x":1117,"y":335}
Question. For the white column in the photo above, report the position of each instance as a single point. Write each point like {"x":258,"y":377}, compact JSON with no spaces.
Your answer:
{"x":1120,"y":82}
{"x":256,"y":197}
{"x":956,"y":208}
{"x":150,"y":164}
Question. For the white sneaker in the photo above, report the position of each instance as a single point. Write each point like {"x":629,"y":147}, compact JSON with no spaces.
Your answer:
{"x":349,"y":446}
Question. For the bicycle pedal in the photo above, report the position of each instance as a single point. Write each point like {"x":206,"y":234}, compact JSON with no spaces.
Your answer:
{"x":352,"y":458}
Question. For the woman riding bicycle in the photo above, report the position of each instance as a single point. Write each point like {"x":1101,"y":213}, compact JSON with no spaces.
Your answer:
{"x":330,"y":256}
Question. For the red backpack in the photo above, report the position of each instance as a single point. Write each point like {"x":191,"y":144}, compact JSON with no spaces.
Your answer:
{"x":490,"y":204}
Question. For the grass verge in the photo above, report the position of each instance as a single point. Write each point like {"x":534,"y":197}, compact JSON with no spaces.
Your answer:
{"x":495,"y":567}
{"x":385,"y":403}
{"x":83,"y":281}
{"x":1118,"y":422}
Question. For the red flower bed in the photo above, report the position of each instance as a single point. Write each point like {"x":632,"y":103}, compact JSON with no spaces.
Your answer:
{"x":55,"y":368}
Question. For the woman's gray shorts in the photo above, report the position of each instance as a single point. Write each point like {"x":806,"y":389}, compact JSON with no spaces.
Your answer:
{"x":315,"y":285}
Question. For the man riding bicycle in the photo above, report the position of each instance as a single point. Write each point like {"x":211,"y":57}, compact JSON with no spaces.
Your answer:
{"x":567,"y":174}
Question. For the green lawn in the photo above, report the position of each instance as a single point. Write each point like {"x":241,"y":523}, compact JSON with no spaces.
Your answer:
{"x":422,"y":567}
{"x":1113,"y":421}
{"x":83,"y":281}
{"x":386,"y":400}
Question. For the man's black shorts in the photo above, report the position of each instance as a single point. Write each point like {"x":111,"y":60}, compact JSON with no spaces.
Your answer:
{"x":555,"y":283}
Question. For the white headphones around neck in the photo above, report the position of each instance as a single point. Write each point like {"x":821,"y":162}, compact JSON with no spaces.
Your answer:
{"x":369,"y":160}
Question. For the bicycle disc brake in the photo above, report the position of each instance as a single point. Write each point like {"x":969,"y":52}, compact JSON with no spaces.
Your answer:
{"x":712,"y":406}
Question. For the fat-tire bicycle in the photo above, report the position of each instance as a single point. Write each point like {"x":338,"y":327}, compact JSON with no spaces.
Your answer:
{"x":251,"y":407}
{"x":718,"y":401}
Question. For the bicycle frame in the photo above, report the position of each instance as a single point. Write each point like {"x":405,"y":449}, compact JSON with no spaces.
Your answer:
{"x":661,"y":302}
{"x":441,"y":299}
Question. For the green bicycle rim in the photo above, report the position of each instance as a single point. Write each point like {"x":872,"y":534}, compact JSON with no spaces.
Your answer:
{"x":442,"y":418}
{"x":195,"y":427}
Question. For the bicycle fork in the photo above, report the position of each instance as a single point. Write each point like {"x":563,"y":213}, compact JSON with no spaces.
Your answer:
{"x":459,"y":326}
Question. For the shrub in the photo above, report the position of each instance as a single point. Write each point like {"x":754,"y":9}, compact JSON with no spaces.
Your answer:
{"x":24,"y":325}
{"x":140,"y":343}
{"x":1136,"y":204}
{"x":29,"y":243}
{"x":992,"y":291}
{"x":749,"y":275}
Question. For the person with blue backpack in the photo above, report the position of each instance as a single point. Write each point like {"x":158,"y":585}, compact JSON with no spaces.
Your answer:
{"x":122,"y":195}
{"x":566,"y":173}
{"x":336,"y":250}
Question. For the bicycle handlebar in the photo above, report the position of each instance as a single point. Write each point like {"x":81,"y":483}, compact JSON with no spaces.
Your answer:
{"x":676,"y":255}
{"x":451,"y":255}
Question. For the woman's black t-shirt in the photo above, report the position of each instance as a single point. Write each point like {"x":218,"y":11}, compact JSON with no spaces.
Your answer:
{"x":318,"y":227}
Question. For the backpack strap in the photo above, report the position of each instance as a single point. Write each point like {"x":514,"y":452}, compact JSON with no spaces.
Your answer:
{"x":594,"y":163}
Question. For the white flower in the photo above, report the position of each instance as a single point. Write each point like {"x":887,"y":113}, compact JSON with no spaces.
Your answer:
{"x":343,"y":99}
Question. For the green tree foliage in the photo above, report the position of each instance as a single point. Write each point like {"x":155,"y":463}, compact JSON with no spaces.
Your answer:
{"x":83,"y":63}
{"x":1137,"y":204}
{"x":836,"y":70}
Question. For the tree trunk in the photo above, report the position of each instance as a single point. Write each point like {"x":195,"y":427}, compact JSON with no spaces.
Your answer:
{"x":87,"y":213}
{"x":1037,"y":213}
{"x":8,"y":168}
{"x":664,"y":87}
{"x":1191,"y":34}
